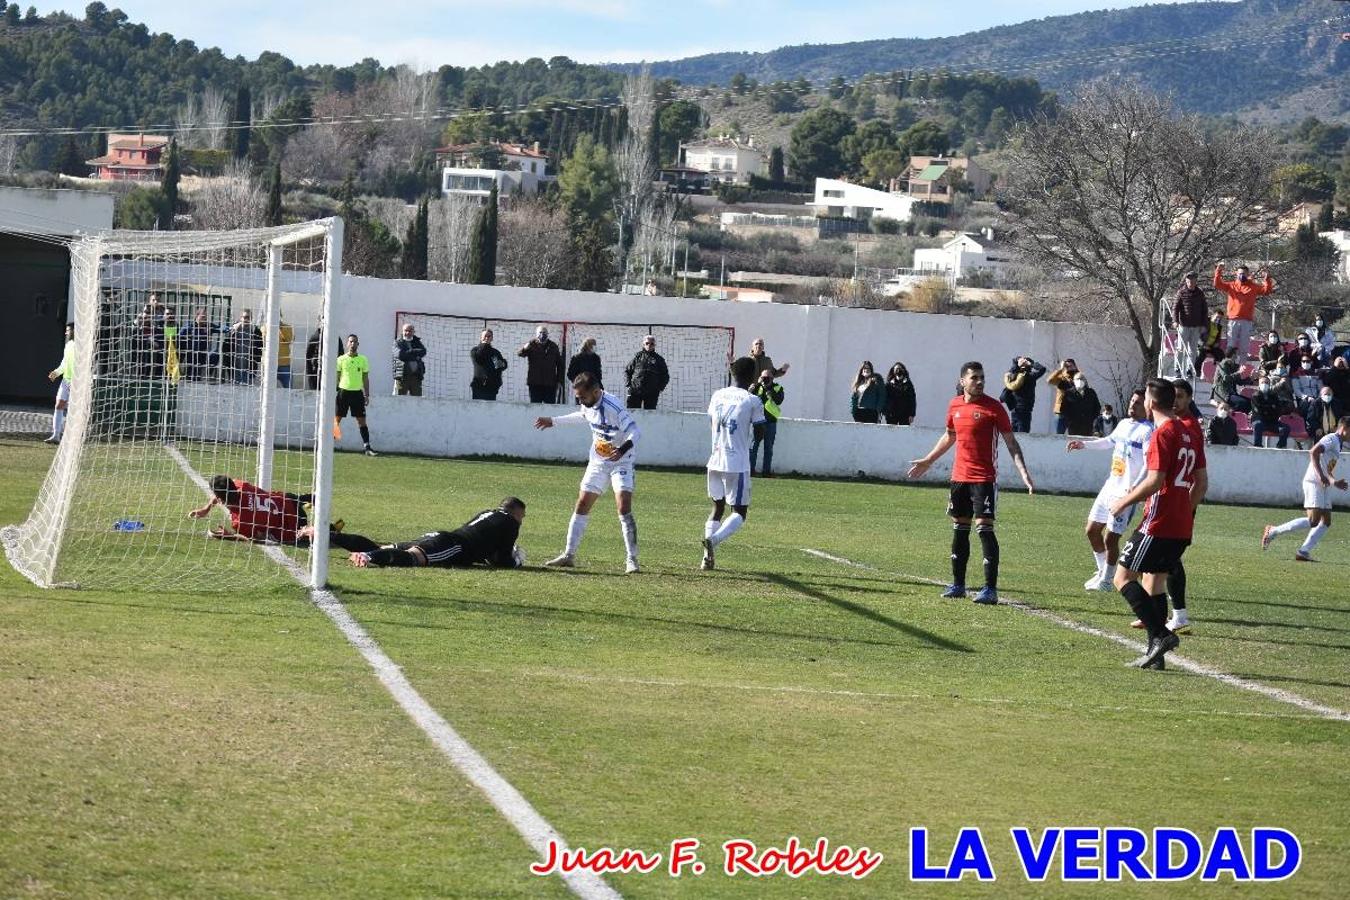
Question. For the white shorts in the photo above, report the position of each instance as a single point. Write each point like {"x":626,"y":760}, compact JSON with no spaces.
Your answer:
{"x":1101,"y":512}
{"x":63,"y":391}
{"x":1316,"y":495}
{"x":600,"y":473}
{"x":734,"y":487}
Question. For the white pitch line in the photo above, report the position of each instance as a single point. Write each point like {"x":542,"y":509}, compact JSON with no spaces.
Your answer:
{"x":503,"y":796}
{"x":1181,"y":662}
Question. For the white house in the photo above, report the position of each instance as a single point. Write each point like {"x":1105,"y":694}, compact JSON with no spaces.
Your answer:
{"x":458,"y":181}
{"x":725,"y":159}
{"x":853,"y":201}
{"x":1341,"y":239}
{"x":967,"y":254}
{"x":516,"y":168}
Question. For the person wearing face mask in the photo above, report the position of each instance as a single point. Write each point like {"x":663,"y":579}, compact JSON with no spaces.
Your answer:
{"x":1228,"y":381}
{"x":1266,"y":415}
{"x":1321,"y":414}
{"x":1242,"y":293}
{"x":1272,"y":352}
{"x":1062,"y":380}
{"x":868,"y":400}
{"x":1081,"y":406}
{"x":1338,"y":378}
{"x":1302,"y":347}
{"x":1325,"y":339}
{"x":544,"y":367}
{"x":1222,"y":430}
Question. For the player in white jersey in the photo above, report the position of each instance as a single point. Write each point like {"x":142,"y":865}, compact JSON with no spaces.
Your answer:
{"x":1317,"y":484}
{"x":613,"y":434}
{"x":737,"y":419}
{"x":1128,"y":444}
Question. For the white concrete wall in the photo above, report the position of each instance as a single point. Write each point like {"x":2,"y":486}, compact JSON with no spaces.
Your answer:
{"x":824,"y":345}
{"x":449,"y":428}
{"x":45,"y":211}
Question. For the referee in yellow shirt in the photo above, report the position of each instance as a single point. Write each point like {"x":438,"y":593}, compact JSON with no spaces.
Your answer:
{"x":353,"y":391}
{"x":65,"y":372}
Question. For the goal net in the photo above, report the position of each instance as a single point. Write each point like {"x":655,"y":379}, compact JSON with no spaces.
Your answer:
{"x":197,"y":354}
{"x":698,"y":356}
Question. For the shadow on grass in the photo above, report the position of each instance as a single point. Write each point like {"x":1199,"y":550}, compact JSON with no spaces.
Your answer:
{"x":528,"y":611}
{"x":1253,"y":640}
{"x":912,"y":630}
{"x":1290,"y":679}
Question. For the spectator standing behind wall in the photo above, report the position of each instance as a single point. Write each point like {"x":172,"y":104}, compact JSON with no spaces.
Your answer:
{"x":646,"y":376}
{"x":1222,"y":430}
{"x":197,"y":353}
{"x":285,"y":335}
{"x":869,"y":395}
{"x":1019,"y":391}
{"x":243,"y":350}
{"x":901,"y":402}
{"x":770,"y":393}
{"x":1106,"y":422}
{"x":764,"y":362}
{"x":586,"y":360}
{"x":488,"y":366}
{"x":1081,"y":406}
{"x":1242,"y":293}
{"x":544,"y":370}
{"x":1062,"y":380}
{"x":410,"y":365}
{"x":313,"y":359}
{"x":1190,"y":312}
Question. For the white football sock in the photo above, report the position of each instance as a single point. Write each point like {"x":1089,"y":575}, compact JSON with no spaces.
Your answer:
{"x":629,"y":527}
{"x":1100,"y":556}
{"x":1314,"y":538}
{"x":729,"y":527}
{"x":1292,"y":525}
{"x":575,"y":529}
{"x":1109,"y":573}
{"x":710,"y":527}
{"x":58,"y":422}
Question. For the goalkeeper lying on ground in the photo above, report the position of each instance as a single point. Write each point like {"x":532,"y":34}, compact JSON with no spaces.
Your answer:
{"x":257,"y":515}
{"x":488,"y":537}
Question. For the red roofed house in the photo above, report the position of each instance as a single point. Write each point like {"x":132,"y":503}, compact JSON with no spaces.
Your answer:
{"x":131,"y":157}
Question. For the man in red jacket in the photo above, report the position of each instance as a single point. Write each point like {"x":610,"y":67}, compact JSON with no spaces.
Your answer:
{"x":1242,"y":293}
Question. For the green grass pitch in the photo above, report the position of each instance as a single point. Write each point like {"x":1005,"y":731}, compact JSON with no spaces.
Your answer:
{"x":232,"y":743}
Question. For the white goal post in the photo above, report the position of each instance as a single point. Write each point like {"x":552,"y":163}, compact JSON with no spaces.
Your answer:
{"x":198,"y":354}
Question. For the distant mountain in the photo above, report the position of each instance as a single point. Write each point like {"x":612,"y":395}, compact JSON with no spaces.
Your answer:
{"x":1272,"y":59}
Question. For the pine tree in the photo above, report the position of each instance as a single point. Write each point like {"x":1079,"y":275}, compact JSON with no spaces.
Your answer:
{"x":72,"y":160}
{"x":776,"y":173}
{"x":483,"y":245}
{"x":414,"y":261}
{"x":169,"y":187}
{"x":1326,"y":217}
{"x":274,"y":196}
{"x":243,"y":116}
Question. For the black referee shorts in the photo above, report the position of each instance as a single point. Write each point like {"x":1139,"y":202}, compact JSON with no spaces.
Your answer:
{"x":973,"y":500}
{"x":353,"y":402}
{"x":1146,"y":553}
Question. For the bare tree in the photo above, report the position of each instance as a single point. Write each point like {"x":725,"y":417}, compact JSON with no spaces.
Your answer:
{"x":215,"y":116}
{"x":1121,"y":192}
{"x":186,"y":119}
{"x":635,"y":160}
{"x":9,"y":153}
{"x":533,"y":244}
{"x":231,"y":201}
{"x":315,"y":153}
{"x":266,"y":105}
{"x":450,"y":223}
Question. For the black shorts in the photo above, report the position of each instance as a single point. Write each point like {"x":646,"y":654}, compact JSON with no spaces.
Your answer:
{"x":442,"y":548}
{"x":973,"y":500}
{"x":1145,"y":553}
{"x":353,"y":402}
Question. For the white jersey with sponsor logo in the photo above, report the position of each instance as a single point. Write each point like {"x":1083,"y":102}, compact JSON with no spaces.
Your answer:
{"x":611,"y":425}
{"x":734,"y":413}
{"x":1331,"y":452}
{"x":1129,"y":452}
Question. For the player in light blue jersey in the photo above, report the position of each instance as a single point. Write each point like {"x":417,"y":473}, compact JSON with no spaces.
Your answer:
{"x":737,"y":419}
{"x":1128,"y":444}
{"x":613,"y":434}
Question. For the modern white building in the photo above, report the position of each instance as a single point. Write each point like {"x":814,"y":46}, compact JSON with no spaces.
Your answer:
{"x":470,"y":170}
{"x":967,"y":254}
{"x":725,"y":159}
{"x":458,"y":181}
{"x":1341,"y":238}
{"x":853,"y":201}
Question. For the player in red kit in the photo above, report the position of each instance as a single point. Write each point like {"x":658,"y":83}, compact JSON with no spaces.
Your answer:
{"x":1174,"y":487}
{"x":257,"y":515}
{"x":974,"y":423}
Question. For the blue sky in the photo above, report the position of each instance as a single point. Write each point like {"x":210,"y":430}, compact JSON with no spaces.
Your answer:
{"x":429,"y":33}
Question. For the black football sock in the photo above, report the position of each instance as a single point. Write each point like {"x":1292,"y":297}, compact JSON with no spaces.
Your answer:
{"x":1160,"y":605}
{"x":1176,"y":586}
{"x":365,"y":435}
{"x":960,"y":552}
{"x":989,"y":541}
{"x":1143,"y":607}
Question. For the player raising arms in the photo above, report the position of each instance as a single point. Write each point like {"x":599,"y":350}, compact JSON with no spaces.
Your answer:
{"x":489,"y":537}
{"x":974,"y":422}
{"x":1127,"y":443}
{"x":737,"y":418}
{"x":1317,"y":484}
{"x":1174,"y":487}
{"x":613,"y":434}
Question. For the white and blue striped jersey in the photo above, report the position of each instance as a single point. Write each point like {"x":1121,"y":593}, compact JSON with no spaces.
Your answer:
{"x":734,"y":413}
{"x":1129,"y":450}
{"x":611,"y":425}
